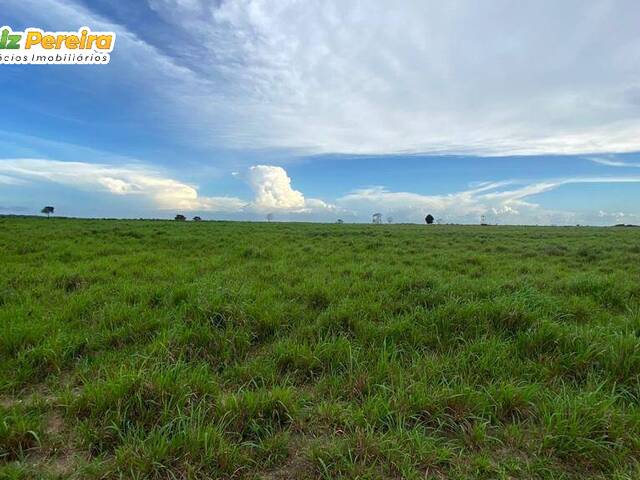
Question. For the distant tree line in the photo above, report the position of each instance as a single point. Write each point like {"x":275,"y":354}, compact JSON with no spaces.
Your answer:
{"x":377,"y":219}
{"x":181,"y":218}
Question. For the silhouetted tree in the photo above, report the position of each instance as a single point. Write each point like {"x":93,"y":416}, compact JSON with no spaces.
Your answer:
{"x":377,"y":218}
{"x":180,"y":218}
{"x":340,"y":221}
{"x":429,"y":219}
{"x":197,"y":219}
{"x":47,"y":211}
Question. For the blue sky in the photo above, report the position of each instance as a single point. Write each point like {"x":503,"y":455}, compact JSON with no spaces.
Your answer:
{"x":319,"y":110}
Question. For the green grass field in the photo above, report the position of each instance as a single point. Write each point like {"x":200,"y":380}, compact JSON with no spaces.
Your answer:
{"x":165,"y":350}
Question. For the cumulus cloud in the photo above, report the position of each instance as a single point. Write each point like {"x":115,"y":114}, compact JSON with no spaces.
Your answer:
{"x":508,"y":201}
{"x":273,"y":192}
{"x":610,"y":218}
{"x":503,"y":202}
{"x":131,"y":180}
{"x":271,"y":185}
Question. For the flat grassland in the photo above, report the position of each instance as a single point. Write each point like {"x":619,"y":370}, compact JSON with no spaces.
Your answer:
{"x":151,"y":349}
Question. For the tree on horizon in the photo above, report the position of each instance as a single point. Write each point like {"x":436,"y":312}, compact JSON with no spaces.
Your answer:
{"x":47,"y":210}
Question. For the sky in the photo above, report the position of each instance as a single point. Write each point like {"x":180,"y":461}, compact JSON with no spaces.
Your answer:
{"x":309,"y":110}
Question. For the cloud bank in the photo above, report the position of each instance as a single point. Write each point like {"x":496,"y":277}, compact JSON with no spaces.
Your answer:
{"x":489,"y":78}
{"x":143,"y":182}
{"x":505,"y":202}
{"x":508,"y":202}
{"x":271,"y":186}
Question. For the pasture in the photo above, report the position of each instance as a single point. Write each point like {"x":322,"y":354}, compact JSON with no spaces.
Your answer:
{"x":171,"y":350}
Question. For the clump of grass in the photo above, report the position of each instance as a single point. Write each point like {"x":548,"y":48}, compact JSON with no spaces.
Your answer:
{"x":195,"y":449}
{"x":588,"y":431}
{"x":70,"y":282}
{"x":20,"y":432}
{"x":252,"y":414}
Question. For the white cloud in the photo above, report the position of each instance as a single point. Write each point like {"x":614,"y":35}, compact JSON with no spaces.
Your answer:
{"x":611,"y":162}
{"x":191,"y":103}
{"x":492,"y":200}
{"x":271,"y":186}
{"x":131,"y":180}
{"x":5,"y":180}
{"x":494,"y":77}
{"x":273,"y":192}
{"x":142,"y":62}
{"x":609,"y":218}
{"x":502,"y":202}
